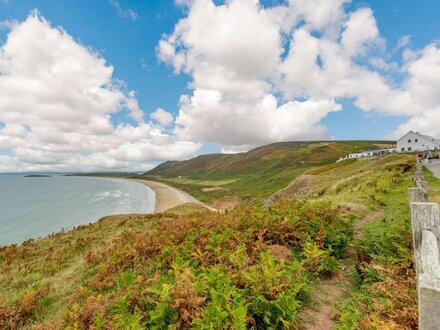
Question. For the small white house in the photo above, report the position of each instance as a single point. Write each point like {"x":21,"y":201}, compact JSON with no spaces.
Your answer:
{"x":371,"y":153}
{"x":414,"y":141}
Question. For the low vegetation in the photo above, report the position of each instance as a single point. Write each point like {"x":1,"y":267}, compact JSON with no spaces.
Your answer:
{"x":247,"y":268}
{"x":252,"y":267}
{"x":225,"y":180}
{"x":383,"y":292}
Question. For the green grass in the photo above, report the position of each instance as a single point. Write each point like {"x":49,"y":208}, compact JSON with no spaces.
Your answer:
{"x":251,"y":187}
{"x":384,"y":294}
{"x":256,"y":174}
{"x":434,"y":186}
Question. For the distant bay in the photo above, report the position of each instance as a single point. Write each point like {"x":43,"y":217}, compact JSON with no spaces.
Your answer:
{"x":32,"y":207}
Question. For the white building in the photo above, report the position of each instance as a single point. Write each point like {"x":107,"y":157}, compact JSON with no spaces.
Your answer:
{"x":414,"y":141}
{"x":371,"y":153}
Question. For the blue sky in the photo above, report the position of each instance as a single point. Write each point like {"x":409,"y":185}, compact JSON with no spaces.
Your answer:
{"x":127,"y":35}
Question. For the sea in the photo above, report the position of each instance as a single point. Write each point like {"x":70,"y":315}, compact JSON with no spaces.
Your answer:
{"x":34,"y":207}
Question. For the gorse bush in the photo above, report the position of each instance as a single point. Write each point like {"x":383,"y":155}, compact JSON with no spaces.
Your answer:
{"x":247,"y":268}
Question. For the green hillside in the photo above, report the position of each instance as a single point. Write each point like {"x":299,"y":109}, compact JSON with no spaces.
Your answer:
{"x":255,"y":174}
{"x":335,"y":247}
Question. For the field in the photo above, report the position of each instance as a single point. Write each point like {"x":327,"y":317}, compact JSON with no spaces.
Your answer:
{"x":336,"y":243}
{"x":224,"y":180}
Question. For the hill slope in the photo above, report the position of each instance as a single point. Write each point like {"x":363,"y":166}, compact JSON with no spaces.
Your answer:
{"x":251,"y":268}
{"x":257,"y":173}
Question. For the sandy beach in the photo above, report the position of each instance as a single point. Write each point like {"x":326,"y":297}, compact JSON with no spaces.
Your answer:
{"x":168,"y":197}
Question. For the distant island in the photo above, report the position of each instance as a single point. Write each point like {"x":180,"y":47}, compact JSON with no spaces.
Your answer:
{"x":37,"y":176}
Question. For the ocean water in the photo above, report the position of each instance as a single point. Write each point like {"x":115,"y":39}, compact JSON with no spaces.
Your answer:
{"x":36,"y":207}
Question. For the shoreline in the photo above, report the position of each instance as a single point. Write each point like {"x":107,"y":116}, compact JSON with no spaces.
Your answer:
{"x":168,"y":197}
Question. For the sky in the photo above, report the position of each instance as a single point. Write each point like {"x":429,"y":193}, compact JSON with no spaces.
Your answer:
{"x":117,"y":85}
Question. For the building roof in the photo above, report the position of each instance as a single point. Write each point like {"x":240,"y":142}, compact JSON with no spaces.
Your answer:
{"x":430,"y":138}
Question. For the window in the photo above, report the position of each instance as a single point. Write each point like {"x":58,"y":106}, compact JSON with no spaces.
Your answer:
{"x":409,"y":141}
{"x":416,"y":140}
{"x":402,"y":149}
{"x":409,"y":148}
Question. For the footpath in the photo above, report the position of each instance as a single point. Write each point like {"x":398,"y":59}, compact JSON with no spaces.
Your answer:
{"x":434,"y":167}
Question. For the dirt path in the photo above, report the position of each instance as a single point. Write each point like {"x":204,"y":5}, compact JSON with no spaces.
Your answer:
{"x":327,"y":294}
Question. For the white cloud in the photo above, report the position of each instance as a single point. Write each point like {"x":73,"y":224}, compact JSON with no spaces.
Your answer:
{"x":162,"y":116}
{"x":423,"y":86}
{"x":57,"y":98}
{"x":324,"y":16}
{"x":206,"y":116}
{"x":360,"y":29}
{"x":128,"y":13}
{"x":381,"y":64}
{"x":207,"y":42}
{"x":233,"y":53}
{"x":264,"y":74}
{"x":403,"y":42}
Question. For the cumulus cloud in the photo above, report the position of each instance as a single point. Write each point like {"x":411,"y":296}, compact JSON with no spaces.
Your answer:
{"x":423,"y":86}
{"x":206,"y":116}
{"x":262,"y":74}
{"x":233,"y":53}
{"x":162,"y":116}
{"x":57,"y":99}
{"x":360,"y":29}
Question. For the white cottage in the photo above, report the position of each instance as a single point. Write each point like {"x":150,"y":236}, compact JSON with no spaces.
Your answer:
{"x":371,"y":153}
{"x":414,"y":141}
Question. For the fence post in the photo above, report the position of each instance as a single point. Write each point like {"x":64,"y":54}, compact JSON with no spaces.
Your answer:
{"x":417,"y":195}
{"x":428,"y":290}
{"x":422,"y":184}
{"x":423,"y":216}
{"x":430,"y":254}
{"x":426,"y":235}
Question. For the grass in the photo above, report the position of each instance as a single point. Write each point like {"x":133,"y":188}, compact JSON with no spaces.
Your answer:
{"x":250,"y":187}
{"x":434,"y":186}
{"x":253,"y":175}
{"x":383,"y":295}
{"x":247,"y":268}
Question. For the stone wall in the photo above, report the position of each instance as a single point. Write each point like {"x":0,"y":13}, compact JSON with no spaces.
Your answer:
{"x":426,"y":243}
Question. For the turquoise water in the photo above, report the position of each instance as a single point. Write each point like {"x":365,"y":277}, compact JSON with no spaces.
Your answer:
{"x":36,"y":207}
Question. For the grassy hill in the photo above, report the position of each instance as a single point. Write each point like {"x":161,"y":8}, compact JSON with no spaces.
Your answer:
{"x":255,"y":174}
{"x":343,"y":231}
